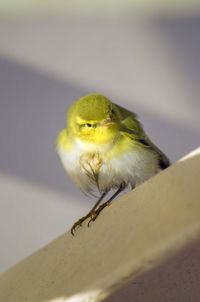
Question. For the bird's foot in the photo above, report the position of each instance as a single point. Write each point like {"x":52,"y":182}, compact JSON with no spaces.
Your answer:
{"x":79,"y":222}
{"x":96,"y":213}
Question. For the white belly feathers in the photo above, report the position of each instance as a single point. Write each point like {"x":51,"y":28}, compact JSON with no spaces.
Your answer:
{"x":91,"y":171}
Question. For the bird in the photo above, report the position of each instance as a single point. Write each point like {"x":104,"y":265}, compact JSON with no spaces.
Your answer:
{"x":105,"y":149}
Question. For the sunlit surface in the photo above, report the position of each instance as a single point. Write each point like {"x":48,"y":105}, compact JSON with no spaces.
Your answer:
{"x":89,"y":296}
{"x":190,"y":155}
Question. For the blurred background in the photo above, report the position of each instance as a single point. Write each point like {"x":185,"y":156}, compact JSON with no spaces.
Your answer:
{"x":144,"y":55}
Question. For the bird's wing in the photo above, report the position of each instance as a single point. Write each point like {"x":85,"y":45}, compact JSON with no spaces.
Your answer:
{"x":132,"y":128}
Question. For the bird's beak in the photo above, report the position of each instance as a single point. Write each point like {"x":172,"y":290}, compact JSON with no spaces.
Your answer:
{"x":107,"y":123}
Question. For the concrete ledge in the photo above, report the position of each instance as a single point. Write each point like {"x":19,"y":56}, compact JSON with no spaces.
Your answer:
{"x":141,"y":230}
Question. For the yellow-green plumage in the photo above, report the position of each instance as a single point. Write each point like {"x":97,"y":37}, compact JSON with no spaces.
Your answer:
{"x":105,"y":147}
{"x":133,"y":128}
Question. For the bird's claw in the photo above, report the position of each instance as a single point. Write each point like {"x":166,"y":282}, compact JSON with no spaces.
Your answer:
{"x":78,"y":223}
{"x":92,"y":215}
{"x":93,"y":218}
{"x":96,"y":213}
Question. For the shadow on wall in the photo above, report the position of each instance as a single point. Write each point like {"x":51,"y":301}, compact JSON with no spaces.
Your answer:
{"x":176,"y":280}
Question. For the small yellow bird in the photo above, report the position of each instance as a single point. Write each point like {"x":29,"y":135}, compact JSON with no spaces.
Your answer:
{"x":105,"y":147}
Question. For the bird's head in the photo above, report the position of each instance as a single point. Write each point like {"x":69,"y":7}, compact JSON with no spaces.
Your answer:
{"x":93,"y":119}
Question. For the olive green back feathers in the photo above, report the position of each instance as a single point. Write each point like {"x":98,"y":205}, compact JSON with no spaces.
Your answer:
{"x":132,"y":127}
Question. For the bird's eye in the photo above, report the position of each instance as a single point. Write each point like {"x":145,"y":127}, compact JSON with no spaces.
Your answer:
{"x":113,"y":112}
{"x":88,"y":125}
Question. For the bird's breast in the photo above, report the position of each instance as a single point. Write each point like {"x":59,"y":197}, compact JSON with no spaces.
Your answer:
{"x":93,"y":168}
